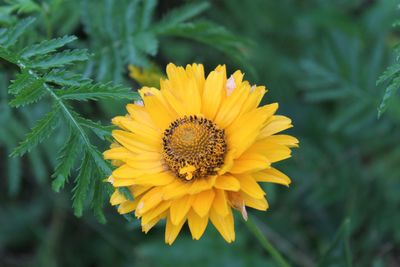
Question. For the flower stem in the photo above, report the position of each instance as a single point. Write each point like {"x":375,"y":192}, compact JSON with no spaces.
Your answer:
{"x":276,"y":256}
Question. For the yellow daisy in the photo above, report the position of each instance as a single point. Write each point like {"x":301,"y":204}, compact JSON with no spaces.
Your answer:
{"x":195,"y":149}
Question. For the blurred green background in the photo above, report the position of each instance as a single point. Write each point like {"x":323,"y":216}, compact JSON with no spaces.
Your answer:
{"x":319,"y":59}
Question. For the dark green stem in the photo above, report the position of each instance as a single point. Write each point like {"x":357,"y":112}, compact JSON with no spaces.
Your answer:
{"x":276,"y":256}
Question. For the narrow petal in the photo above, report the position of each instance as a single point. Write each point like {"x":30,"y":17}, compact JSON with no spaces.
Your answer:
{"x":157,"y":107}
{"x":272,"y":175}
{"x":227,"y":182}
{"x":179,"y":209}
{"x":283,"y":139}
{"x":117,"y":198}
{"x":172,"y":230}
{"x":212,"y":95}
{"x":275,"y":125}
{"x":131,"y":142}
{"x":202,"y":202}
{"x":242,"y":133}
{"x":148,"y":225}
{"x":220,"y":204}
{"x":197,"y":224}
{"x":149,"y":200}
{"x":155,"y":212}
{"x":176,"y":189}
{"x":224,"y":224}
{"x":250,"y":186}
{"x":155,"y":179}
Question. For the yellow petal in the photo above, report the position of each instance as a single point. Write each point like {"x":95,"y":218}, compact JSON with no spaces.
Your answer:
{"x":224,"y":224}
{"x":255,"y":203}
{"x":220,"y":204}
{"x":118,"y":153}
{"x":155,"y":179}
{"x":131,"y":142}
{"x":202,"y":202}
{"x":254,"y":99}
{"x":197,"y":72}
{"x":250,"y":186}
{"x":227,"y":182}
{"x":117,"y":198}
{"x":126,"y":172}
{"x":283,"y":139}
{"x":139,"y":114}
{"x":141,"y":130}
{"x":155,"y":212}
{"x":149,"y":200}
{"x":179,"y":209}
{"x":138,"y":190}
{"x":172,"y":230}
{"x":243,"y":132}
{"x":157,"y":107}
{"x":197,"y":224}
{"x":127,"y":206}
{"x":231,"y":107}
{"x":272,"y":175}
{"x":176,"y":189}
{"x":250,"y":162}
{"x":199,"y":185}
{"x":212,"y":94}
{"x":147,"y":226}
{"x":276,"y":124}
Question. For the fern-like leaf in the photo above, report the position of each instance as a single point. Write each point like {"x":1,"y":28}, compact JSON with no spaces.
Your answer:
{"x":63,"y":58}
{"x":22,"y":81}
{"x":66,"y":161}
{"x":82,"y":185}
{"x":47,"y":46}
{"x":31,"y":93}
{"x":390,"y":91}
{"x":65,"y":78}
{"x":11,"y":35}
{"x":96,"y":92}
{"x":42,"y":130}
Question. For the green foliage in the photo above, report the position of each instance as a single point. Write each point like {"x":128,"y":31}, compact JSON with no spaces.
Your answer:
{"x":391,"y":77}
{"x":41,"y":74}
{"x":319,"y":59}
{"x":129,"y":34}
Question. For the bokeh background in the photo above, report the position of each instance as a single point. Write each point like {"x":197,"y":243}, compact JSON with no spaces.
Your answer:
{"x":319,"y":59}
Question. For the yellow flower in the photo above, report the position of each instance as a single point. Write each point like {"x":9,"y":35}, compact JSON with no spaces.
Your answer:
{"x":195,"y":149}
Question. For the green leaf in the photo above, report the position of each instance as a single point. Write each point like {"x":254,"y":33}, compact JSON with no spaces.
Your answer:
{"x":101,"y":131}
{"x":99,"y":161}
{"x":42,"y":130}
{"x":65,"y":78}
{"x":97,"y":91}
{"x":66,"y":57}
{"x":30,"y":93}
{"x":99,"y":196}
{"x":46,"y":46}
{"x":82,"y":185}
{"x":180,"y":15}
{"x":389,"y":73}
{"x":12,"y":34}
{"x":66,"y":160}
{"x":21,"y":82}
{"x":389,"y":92}
{"x":6,"y":55}
{"x":24,"y":6}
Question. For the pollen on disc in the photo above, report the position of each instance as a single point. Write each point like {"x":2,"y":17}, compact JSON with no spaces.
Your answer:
{"x":194,"y":143}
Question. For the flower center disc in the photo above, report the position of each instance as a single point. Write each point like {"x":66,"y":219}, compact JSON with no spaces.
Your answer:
{"x":194,"y":147}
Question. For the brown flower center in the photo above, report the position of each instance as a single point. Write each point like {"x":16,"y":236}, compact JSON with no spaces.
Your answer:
{"x":194,"y":147}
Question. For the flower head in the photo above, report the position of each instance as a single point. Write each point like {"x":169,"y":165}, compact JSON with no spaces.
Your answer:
{"x":196,"y":149}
